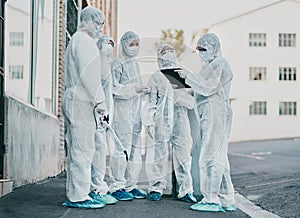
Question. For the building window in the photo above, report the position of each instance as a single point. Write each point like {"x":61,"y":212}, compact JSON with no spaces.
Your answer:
{"x":257,"y":73}
{"x":16,"y":71}
{"x":288,"y":108}
{"x":257,"y":39}
{"x":287,"y":39}
{"x":258,"y":108}
{"x":287,"y":73}
{"x":16,"y":38}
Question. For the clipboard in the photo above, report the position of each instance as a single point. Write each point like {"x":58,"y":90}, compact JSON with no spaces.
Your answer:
{"x":174,"y":77}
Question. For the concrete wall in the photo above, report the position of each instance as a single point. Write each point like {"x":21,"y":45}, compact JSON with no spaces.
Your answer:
{"x":31,"y":144}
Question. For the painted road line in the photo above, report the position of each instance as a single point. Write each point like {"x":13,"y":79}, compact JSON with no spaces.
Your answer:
{"x":248,"y":156}
{"x":251,"y":209}
{"x":261,"y":153}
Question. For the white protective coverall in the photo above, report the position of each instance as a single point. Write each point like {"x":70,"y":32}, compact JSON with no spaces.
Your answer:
{"x":127,"y":91}
{"x":83,"y":92}
{"x":104,"y":141}
{"x":185,"y":123}
{"x":211,"y":87}
{"x":170,"y":111}
{"x":158,"y":120}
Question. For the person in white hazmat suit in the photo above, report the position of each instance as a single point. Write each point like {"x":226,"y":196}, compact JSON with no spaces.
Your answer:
{"x":158,"y":119}
{"x":103,"y":139}
{"x":185,"y":120}
{"x":128,"y":91}
{"x":211,"y":92}
{"x":168,"y":122}
{"x":82,"y":97}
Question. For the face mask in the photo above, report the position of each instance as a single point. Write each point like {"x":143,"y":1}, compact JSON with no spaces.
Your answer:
{"x":204,"y":56}
{"x":107,"y":49}
{"x":98,"y":29}
{"x":133,"y":51}
{"x":168,"y":60}
{"x":207,"y":55}
{"x":97,"y":34}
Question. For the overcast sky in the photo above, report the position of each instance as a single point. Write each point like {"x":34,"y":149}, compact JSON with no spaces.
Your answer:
{"x":149,"y":17}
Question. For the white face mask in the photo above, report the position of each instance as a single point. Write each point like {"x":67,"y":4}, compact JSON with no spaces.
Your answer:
{"x":204,"y":56}
{"x":207,"y":55}
{"x":168,"y":60}
{"x":133,"y":51}
{"x":98,"y":30}
{"x":107,"y":49}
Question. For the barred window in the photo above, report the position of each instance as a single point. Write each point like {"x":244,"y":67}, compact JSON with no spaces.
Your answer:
{"x":16,"y":38}
{"x":257,"y":39}
{"x":257,"y":73}
{"x":16,"y":71}
{"x":258,"y":108}
{"x":287,"y":39}
{"x":288,"y":108}
{"x":287,"y":73}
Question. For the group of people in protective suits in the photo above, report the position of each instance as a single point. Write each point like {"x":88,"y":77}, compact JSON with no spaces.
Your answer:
{"x":106,"y":104}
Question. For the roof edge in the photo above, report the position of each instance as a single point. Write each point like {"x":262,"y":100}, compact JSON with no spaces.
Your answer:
{"x":251,"y":11}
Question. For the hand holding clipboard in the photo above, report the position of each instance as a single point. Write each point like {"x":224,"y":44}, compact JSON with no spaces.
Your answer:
{"x":173,"y":76}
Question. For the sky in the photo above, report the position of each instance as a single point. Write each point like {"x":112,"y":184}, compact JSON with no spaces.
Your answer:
{"x":149,"y":17}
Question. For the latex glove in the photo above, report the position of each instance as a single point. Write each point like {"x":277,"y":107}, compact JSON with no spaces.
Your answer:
{"x":182,"y":73}
{"x":103,"y":121}
{"x":174,"y":86}
{"x":151,"y":131}
{"x":142,"y":89}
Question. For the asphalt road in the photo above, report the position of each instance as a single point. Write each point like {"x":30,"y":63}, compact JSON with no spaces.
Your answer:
{"x":265,"y":172}
{"x":268,"y":174}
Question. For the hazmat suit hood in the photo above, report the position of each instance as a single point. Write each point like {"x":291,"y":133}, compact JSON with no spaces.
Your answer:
{"x":166,"y":56}
{"x":209,"y":47}
{"x":106,"y":45}
{"x":91,"y":21}
{"x":125,"y":50}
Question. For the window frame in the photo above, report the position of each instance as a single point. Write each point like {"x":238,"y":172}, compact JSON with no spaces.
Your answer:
{"x":257,"y":39}
{"x":257,"y":71}
{"x":287,"y":108}
{"x":16,"y":38}
{"x":287,"y":40}
{"x":258,"y":108}
{"x":16,"y":70}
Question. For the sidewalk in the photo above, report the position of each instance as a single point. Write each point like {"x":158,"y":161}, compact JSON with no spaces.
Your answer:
{"x":43,"y":199}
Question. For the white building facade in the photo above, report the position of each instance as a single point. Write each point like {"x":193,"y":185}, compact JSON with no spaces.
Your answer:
{"x":263,"y":50}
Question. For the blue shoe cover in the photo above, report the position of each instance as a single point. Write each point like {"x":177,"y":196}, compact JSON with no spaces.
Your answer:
{"x":106,"y":199}
{"x":122,"y":195}
{"x":154,"y":196}
{"x":189,"y":198}
{"x":90,"y":204}
{"x":230,"y":208}
{"x":209,"y":207}
{"x":138,"y":193}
